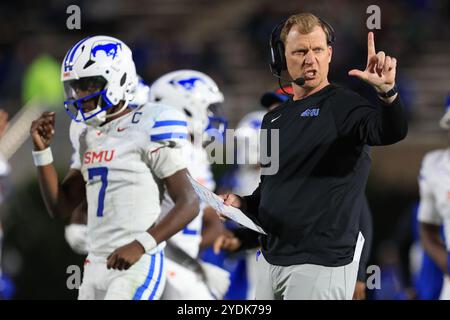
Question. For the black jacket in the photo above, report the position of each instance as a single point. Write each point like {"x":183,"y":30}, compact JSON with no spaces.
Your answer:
{"x":311,"y":207}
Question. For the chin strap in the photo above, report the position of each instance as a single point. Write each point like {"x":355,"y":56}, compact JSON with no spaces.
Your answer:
{"x":125,"y":105}
{"x":127,"y":98}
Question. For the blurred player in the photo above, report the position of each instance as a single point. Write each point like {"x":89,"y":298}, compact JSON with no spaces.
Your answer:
{"x":427,"y":277}
{"x":6,"y":285}
{"x":272,"y":99}
{"x":119,"y":169}
{"x":434,"y":210}
{"x":247,"y":176}
{"x":195,"y":94}
{"x":4,"y":165}
{"x":243,"y":179}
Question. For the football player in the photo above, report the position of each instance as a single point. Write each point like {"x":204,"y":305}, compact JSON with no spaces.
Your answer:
{"x":434,"y":209}
{"x":75,"y":231}
{"x":196,"y":95}
{"x":118,"y":168}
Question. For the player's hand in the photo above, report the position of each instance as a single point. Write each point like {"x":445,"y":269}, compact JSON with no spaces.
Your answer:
{"x":124,"y":257}
{"x":380,"y":69}
{"x":3,"y":122}
{"x":230,"y":199}
{"x":42,"y":130}
{"x":360,"y":291}
{"x":227,"y":241}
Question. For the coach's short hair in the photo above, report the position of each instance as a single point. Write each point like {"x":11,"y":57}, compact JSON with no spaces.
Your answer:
{"x":305,"y":22}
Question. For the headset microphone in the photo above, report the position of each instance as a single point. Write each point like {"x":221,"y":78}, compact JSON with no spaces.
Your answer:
{"x":299,"y":81}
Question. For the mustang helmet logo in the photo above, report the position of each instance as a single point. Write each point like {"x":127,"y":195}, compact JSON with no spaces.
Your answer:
{"x":110,"y":49}
{"x":187,"y":84}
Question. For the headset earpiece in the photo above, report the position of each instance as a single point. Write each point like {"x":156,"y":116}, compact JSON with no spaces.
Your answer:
{"x":331,"y":36}
{"x":278,"y":60}
{"x":281,"y":56}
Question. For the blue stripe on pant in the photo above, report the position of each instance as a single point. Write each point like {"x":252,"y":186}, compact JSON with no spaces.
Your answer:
{"x":158,"y":281}
{"x":448,"y":262}
{"x":139,"y":292}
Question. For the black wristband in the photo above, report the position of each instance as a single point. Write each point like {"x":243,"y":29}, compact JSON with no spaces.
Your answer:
{"x":390,"y":93}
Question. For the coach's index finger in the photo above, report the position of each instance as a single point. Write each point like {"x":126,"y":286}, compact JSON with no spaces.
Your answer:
{"x":370,"y":45}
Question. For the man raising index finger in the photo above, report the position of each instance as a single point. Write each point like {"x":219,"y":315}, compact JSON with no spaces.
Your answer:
{"x":310,"y":208}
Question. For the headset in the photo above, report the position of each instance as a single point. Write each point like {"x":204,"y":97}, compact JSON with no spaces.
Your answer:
{"x":277,"y":57}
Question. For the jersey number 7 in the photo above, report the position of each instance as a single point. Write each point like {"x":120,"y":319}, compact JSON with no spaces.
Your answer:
{"x":103,"y":173}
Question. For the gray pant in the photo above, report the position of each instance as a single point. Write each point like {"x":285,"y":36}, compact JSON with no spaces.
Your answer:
{"x":307,"y":281}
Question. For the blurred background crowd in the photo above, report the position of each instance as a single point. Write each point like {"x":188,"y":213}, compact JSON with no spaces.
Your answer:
{"x":228,"y":40}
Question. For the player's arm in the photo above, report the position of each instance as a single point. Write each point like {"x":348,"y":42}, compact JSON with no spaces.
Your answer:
{"x":227,"y":241}
{"x":430,"y":220}
{"x":79,"y":215}
{"x":184,"y":211}
{"x":212,"y":227}
{"x":237,"y":240}
{"x":60,"y":198}
{"x":433,"y":244}
{"x":75,"y":231}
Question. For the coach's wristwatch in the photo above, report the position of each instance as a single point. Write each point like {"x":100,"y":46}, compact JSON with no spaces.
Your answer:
{"x":390,"y":93}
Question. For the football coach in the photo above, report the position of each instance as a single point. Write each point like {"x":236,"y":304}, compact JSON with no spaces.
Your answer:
{"x":310,"y":208}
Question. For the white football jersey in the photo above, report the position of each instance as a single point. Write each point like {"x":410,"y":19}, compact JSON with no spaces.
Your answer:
{"x":434,"y":183}
{"x":246,"y":181}
{"x":122,"y":163}
{"x":199,"y":168}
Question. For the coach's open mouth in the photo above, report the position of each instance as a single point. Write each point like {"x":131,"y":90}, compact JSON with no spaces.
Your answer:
{"x":310,"y":74}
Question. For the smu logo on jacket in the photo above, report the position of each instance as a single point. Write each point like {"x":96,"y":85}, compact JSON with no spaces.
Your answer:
{"x":91,"y":157}
{"x":312,"y":112}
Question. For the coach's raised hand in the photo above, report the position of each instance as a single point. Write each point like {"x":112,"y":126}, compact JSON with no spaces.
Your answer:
{"x":42,"y":130}
{"x":380,"y":69}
